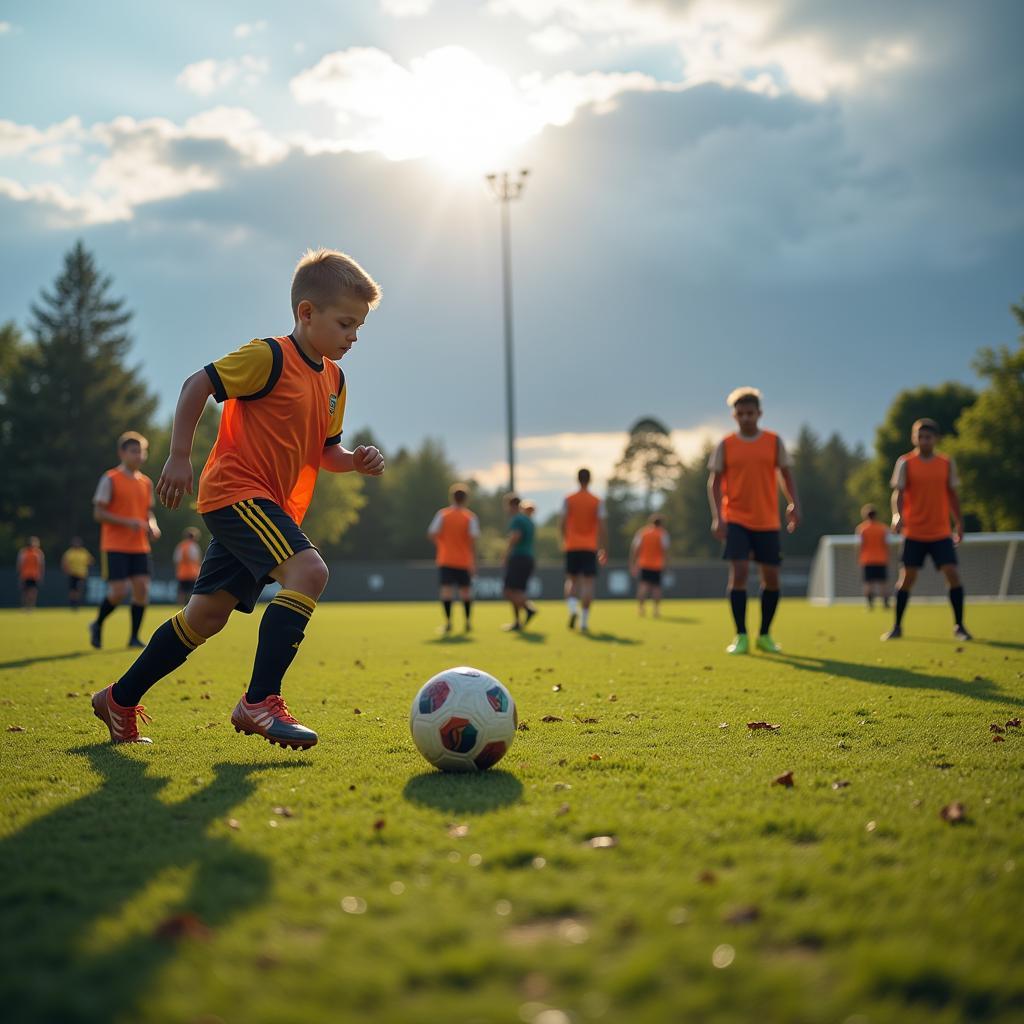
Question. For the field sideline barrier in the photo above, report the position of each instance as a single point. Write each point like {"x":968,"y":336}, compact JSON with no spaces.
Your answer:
{"x":417,"y":581}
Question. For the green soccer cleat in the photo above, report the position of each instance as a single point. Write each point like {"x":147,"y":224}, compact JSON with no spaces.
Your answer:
{"x":741,"y":645}
{"x":767,"y":644}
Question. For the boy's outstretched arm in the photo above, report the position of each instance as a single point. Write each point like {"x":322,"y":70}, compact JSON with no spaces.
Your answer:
{"x":176,"y":479}
{"x":366,"y":459}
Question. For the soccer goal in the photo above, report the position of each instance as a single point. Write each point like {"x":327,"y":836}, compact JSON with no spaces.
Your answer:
{"x":991,"y":564}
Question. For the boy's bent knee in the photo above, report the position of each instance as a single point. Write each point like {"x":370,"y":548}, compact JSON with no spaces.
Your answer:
{"x":305,"y":572}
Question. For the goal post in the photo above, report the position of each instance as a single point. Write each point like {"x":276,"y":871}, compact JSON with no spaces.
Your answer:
{"x":991,"y":564}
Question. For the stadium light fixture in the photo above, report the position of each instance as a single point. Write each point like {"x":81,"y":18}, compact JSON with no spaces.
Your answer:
{"x":505,"y":187}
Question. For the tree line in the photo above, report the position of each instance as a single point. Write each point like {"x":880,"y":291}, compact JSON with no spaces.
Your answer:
{"x":68,"y":390}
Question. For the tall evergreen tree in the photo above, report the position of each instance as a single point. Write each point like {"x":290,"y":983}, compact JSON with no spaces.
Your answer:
{"x":70,"y":396}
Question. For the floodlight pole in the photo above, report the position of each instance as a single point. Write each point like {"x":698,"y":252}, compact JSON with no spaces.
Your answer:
{"x":504,"y":187}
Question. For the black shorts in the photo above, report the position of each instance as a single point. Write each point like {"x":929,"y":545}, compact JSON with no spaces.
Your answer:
{"x":875,"y":573}
{"x":518,"y":571}
{"x":761,"y":545}
{"x":915,"y":552}
{"x":581,"y":563}
{"x":30,"y":584}
{"x":652,"y":576}
{"x":453,"y":577}
{"x":75,"y":584}
{"x":122,"y":565}
{"x":185,"y":588}
{"x":250,"y":538}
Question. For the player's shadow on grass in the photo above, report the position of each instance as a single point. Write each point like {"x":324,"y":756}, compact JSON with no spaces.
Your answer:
{"x":65,"y":656}
{"x":888,"y":675}
{"x":685,"y":619}
{"x":446,"y":639}
{"x":529,"y":638}
{"x":72,"y":872}
{"x":607,"y":638}
{"x":470,"y":793}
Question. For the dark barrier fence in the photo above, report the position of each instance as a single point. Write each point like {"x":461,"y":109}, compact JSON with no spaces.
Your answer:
{"x":417,"y":581}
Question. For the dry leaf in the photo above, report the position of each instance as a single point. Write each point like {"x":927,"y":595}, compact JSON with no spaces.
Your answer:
{"x":559,"y":786}
{"x":602,"y":842}
{"x":762,"y":725}
{"x":998,"y":739}
{"x":743,"y":915}
{"x":16,"y":728}
{"x":204,"y":696}
{"x":562,"y":809}
{"x":785,"y":779}
{"x":551,"y":718}
{"x":1013,"y":723}
{"x":996,"y":727}
{"x":358,"y":663}
{"x":840,"y":784}
{"x":181,"y":926}
{"x":458,"y":831}
{"x":595,"y":757}
{"x":523,"y":727}
{"x":378,"y":825}
{"x":585,"y":721}
{"x":356,"y":711}
{"x":954,"y":812}
{"x":612,"y":698}
{"x":707,"y":877}
{"x":284,"y":812}
{"x":74,"y":694}
{"x":556,"y":688}
{"x":723,"y":725}
{"x":234,"y":823}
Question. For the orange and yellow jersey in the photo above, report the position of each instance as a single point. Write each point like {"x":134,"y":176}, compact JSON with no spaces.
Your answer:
{"x":749,"y":471}
{"x":925,"y":484}
{"x":188,"y":557}
{"x":582,"y":513}
{"x":874,"y":546}
{"x":651,"y":545}
{"x":30,"y":563}
{"x":454,"y":531}
{"x":281,"y":410}
{"x":129,"y":495}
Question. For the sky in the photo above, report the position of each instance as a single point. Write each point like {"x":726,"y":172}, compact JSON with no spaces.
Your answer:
{"x":820,"y":198}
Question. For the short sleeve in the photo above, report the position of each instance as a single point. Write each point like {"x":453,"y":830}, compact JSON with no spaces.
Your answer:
{"x":104,"y":491}
{"x":783,"y":460}
{"x":337,"y":416}
{"x":665,"y":540}
{"x":716,"y":461}
{"x":435,"y":523}
{"x":474,"y":527}
{"x":601,"y":514}
{"x":249,"y":372}
{"x":899,"y":475}
{"x":954,"y":477}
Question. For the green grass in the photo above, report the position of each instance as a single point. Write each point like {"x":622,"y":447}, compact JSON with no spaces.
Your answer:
{"x":858,"y":903}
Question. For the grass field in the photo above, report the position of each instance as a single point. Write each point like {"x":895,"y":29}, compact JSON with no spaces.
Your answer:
{"x":214,"y":877}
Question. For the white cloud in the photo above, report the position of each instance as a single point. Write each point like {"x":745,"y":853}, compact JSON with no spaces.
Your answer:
{"x":448,"y":104}
{"x":554,"y":39}
{"x":47,"y":145}
{"x":206,"y":77}
{"x":406,"y":8}
{"x":5,"y":27}
{"x":247,"y":29}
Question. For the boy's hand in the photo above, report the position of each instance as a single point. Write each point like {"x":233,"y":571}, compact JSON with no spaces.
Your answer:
{"x":154,"y":530}
{"x":175,"y":481}
{"x":897,"y":523}
{"x":792,"y":518}
{"x":718,"y":528}
{"x":368,"y":460}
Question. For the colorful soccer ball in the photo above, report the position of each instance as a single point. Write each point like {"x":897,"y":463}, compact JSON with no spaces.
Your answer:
{"x":463,"y":720}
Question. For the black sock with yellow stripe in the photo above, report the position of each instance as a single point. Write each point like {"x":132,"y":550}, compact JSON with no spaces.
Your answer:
{"x":281,"y":631}
{"x":168,"y":648}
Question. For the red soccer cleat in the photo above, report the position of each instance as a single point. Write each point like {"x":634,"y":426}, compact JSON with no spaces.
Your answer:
{"x":271,"y":719}
{"x":122,"y":722}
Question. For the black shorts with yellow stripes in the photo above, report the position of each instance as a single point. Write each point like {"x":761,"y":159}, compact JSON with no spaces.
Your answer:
{"x":250,"y":538}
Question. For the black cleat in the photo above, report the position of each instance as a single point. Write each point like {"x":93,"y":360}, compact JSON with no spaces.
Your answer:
{"x":135,"y":642}
{"x":572,"y":621}
{"x":94,"y":635}
{"x":961,"y":633}
{"x":894,"y":634}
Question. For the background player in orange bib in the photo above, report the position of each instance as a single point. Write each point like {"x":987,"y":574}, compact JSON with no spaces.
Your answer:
{"x":746,"y":470}
{"x":31,"y":566}
{"x":647,"y":555}
{"x":584,"y":539}
{"x":284,"y":402}
{"x":188,"y":557}
{"x":924,"y":501}
{"x":123,"y":506}
{"x":453,"y":531}
{"x":874,"y":555}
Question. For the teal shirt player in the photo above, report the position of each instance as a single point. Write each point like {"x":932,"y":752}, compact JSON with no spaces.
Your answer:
{"x":524,"y":524}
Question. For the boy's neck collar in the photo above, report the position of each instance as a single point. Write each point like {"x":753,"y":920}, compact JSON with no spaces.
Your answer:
{"x":311,"y":363}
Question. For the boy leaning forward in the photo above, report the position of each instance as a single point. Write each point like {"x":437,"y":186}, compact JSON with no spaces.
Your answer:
{"x":284,"y":401}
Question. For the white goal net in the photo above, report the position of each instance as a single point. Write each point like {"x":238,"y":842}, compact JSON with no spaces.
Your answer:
{"x":991,"y":564}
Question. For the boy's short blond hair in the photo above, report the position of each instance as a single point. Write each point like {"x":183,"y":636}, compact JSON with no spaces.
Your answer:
{"x":925,"y":424}
{"x":744,"y":394}
{"x":323,"y":276}
{"x":129,"y":437}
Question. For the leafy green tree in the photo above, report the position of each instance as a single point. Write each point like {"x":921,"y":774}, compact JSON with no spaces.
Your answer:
{"x":944,"y":404}
{"x":69,"y":397}
{"x":649,"y":461}
{"x":686,"y":511}
{"x":989,"y":446}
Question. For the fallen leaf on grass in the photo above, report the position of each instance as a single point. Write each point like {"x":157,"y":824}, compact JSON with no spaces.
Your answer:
{"x":743,"y":915}
{"x":356,"y":711}
{"x":840,"y":784}
{"x":954,"y":812}
{"x":602,"y":842}
{"x":586,"y":721}
{"x":595,"y":757}
{"x":723,"y":725}
{"x":74,"y":694}
{"x":523,"y":727}
{"x":1013,"y":723}
{"x":998,"y":739}
{"x":234,"y":824}
{"x":284,"y":812}
{"x":379,"y":824}
{"x":181,"y":926}
{"x":204,"y":696}
{"x":562,"y":809}
{"x":556,"y":687}
{"x":762,"y":725}
{"x":707,"y":877}
{"x":612,"y":698}
{"x":358,"y":663}
{"x":996,"y":727}
{"x":16,"y":728}
{"x":458,"y":831}
{"x":785,"y":779}
{"x":559,"y":786}
{"x":551,"y":718}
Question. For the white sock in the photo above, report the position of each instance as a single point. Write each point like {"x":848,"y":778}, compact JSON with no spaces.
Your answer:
{"x":574,"y":605}
{"x":584,"y":617}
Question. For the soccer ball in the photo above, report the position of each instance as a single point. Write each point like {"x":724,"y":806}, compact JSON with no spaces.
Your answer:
{"x":463,"y":720}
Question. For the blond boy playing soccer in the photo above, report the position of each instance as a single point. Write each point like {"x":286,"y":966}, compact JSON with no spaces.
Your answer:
{"x":284,"y":402}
